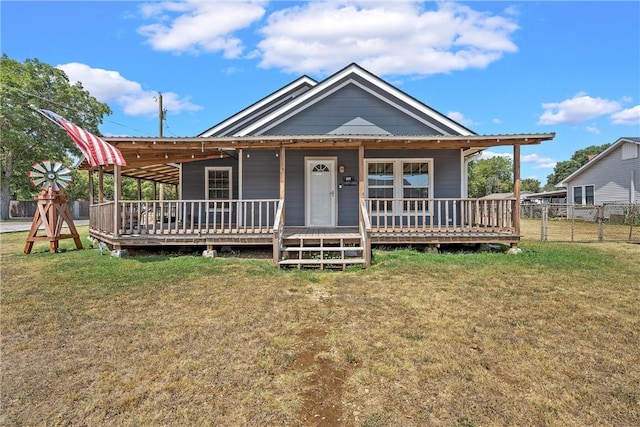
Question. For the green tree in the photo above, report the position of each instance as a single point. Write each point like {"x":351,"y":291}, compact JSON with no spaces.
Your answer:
{"x":567,"y":167}
{"x":487,"y":176}
{"x":530,"y":184}
{"x":26,"y":137}
{"x":79,"y":187}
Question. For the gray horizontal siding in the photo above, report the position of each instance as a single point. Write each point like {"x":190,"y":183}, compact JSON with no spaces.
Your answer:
{"x":260,"y":174}
{"x":261,"y":178}
{"x":611,"y":177}
{"x":193,"y":184}
{"x":345,"y":105}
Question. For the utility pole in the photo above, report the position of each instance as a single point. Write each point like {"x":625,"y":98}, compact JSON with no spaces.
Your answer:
{"x":160,"y":114}
{"x":160,"y":119}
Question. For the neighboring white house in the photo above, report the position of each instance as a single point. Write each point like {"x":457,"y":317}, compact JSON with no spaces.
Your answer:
{"x":613,"y":176}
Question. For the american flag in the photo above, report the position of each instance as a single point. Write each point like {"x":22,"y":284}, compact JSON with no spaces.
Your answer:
{"x":95,"y":149}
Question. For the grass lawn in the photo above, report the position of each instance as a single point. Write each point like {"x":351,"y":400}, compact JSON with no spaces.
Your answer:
{"x":547,"y":337}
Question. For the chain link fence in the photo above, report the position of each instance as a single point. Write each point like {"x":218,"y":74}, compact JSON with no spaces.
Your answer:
{"x":581,"y":223}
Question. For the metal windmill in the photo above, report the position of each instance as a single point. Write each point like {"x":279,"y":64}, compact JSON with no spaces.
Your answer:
{"x":52,"y":209}
{"x":50,"y":175}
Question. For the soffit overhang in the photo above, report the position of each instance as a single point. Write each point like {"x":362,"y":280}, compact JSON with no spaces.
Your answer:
{"x":158,"y":159}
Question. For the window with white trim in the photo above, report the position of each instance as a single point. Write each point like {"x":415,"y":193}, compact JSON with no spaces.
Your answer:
{"x":218,"y":183}
{"x":399,"y":179}
{"x":589,"y":198}
{"x":577,"y":195}
{"x":584,"y":195}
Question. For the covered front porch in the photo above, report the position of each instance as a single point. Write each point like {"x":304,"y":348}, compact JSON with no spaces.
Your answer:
{"x":213,"y":224}
{"x":246,"y":221}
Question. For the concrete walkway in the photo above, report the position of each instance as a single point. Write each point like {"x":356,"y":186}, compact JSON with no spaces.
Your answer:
{"x":24,"y":224}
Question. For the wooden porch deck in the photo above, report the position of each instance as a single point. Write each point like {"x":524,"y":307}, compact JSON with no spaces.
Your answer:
{"x":314,"y":234}
{"x":212,"y":224}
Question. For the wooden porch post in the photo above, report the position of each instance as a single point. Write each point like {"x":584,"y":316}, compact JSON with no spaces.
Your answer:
{"x":282,"y":178}
{"x":361,"y":172}
{"x":117,"y":194}
{"x":361,"y":219}
{"x":139,"y":188}
{"x":91,"y":190}
{"x":516,"y":188}
{"x":100,"y":184}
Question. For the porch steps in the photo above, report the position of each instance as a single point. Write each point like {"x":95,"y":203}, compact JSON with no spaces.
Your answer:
{"x":329,"y":251}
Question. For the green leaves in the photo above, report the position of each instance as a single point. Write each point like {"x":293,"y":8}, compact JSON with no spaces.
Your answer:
{"x":567,"y":167}
{"x":26,"y":136}
{"x":487,"y":176}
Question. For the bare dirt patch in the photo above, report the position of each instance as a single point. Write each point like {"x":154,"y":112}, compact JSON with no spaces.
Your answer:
{"x":322,"y":395}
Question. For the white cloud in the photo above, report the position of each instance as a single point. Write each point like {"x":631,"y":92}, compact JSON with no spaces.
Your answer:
{"x":110,"y":87}
{"x":538,"y":161}
{"x":593,"y":129}
{"x":196,"y":26}
{"x":630,"y":116}
{"x":385,"y":38}
{"x":491,"y":154}
{"x":578,"y":109}
{"x":460,"y":118}
{"x":497,"y":121}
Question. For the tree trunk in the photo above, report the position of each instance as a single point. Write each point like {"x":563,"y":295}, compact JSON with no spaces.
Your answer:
{"x":5,"y":187}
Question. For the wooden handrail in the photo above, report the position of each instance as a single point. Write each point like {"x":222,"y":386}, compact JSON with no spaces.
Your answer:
{"x":278,"y":227}
{"x":364,"y":224}
{"x":441,"y":214}
{"x":255,"y":216}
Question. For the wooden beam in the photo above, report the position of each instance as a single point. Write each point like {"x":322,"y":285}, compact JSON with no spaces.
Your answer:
{"x":117,"y":195}
{"x":516,"y":188}
{"x":91,"y":189}
{"x":100,"y":184}
{"x":139,"y":188}
{"x":282,"y":178}
{"x":361,"y":172}
{"x":282,"y":155}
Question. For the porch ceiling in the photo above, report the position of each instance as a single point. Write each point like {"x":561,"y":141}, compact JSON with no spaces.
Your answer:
{"x":156,"y":159}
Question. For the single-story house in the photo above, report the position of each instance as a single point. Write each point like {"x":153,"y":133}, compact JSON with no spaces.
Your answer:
{"x":320,"y":170}
{"x":612,"y":176}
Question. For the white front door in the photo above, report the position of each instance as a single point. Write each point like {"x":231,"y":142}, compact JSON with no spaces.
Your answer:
{"x":320,"y":174}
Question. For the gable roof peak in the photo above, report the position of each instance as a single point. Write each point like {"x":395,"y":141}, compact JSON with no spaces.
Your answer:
{"x":356,"y":74}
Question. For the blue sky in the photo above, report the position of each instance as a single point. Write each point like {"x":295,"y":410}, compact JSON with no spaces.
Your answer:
{"x":497,"y":67}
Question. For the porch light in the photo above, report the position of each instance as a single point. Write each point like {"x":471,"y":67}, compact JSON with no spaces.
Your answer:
{"x":166,"y":156}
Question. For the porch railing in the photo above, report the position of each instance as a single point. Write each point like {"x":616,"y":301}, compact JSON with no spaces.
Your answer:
{"x":186,"y":216}
{"x":278,"y":231}
{"x":259,"y":216}
{"x":101,"y":217}
{"x":365,"y":232}
{"x":441,"y":215}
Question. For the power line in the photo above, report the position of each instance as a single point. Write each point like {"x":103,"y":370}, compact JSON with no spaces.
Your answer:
{"x":73,"y":109}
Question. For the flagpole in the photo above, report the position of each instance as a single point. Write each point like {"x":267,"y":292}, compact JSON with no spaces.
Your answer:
{"x":37,"y":110}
